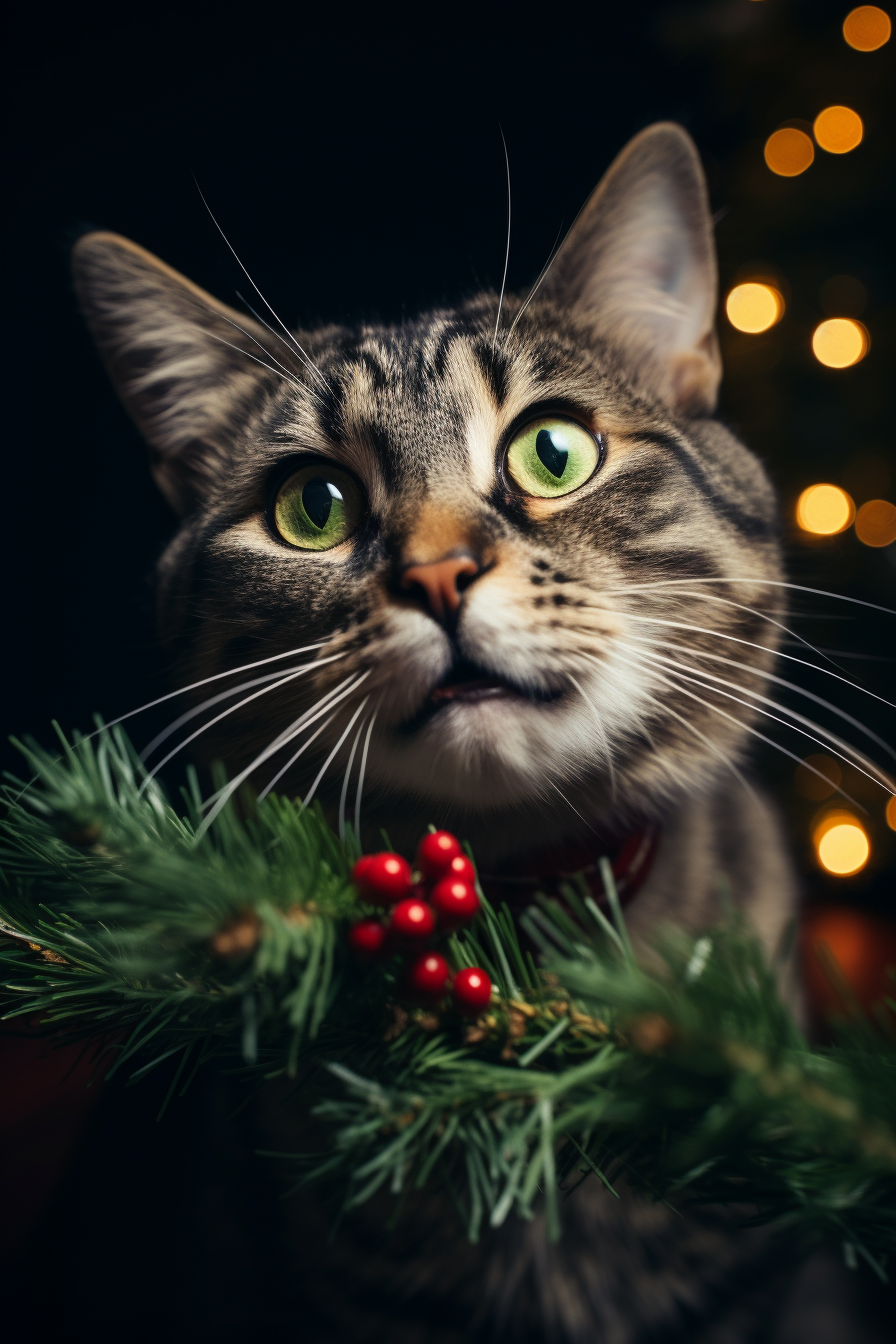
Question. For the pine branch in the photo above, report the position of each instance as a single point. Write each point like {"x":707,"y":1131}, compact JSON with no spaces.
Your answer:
{"x":692,"y":1080}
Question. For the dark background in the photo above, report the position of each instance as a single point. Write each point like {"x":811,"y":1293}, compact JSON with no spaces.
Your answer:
{"x":354,"y":158}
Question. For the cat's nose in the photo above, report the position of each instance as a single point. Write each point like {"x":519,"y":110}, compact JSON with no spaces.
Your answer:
{"x":441,"y":583}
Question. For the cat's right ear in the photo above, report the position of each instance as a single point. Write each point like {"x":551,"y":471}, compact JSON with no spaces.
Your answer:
{"x":169,"y":348}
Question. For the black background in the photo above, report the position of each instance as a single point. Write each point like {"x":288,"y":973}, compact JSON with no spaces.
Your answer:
{"x":354,"y":159}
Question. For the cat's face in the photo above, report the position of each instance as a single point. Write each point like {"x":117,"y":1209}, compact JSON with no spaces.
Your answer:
{"x":472,"y":526}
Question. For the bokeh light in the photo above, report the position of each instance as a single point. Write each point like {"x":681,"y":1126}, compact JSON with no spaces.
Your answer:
{"x":841,"y":844}
{"x":754,"y":307}
{"x":867,"y":28}
{"x":817,"y":777}
{"x":824,"y":510}
{"x":839,"y":342}
{"x":838,"y":129}
{"x":789,"y":152}
{"x":891,"y":813}
{"x":876,"y":523}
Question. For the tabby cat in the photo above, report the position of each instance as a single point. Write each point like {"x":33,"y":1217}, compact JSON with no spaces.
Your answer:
{"x":500,"y":568}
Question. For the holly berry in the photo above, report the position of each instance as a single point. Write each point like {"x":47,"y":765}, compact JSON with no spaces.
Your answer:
{"x":382,"y":879}
{"x":472,"y":991}
{"x":367,"y":939}
{"x":454,"y":900}
{"x":461,"y":867}
{"x":435,"y":852}
{"x":427,"y":977}
{"x":412,"y":920}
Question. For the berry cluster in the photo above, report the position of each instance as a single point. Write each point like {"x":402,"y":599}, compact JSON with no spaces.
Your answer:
{"x":438,"y":896}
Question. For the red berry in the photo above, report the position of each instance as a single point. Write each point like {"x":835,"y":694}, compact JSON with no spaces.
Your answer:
{"x":412,"y":920}
{"x":435,"y":852}
{"x":427,"y":977}
{"x":455,"y":901}
{"x":472,"y":991}
{"x":460,"y":866}
{"x":367,"y":939}
{"x":382,"y":879}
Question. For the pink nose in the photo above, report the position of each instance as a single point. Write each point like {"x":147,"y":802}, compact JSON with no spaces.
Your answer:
{"x":442,"y":582}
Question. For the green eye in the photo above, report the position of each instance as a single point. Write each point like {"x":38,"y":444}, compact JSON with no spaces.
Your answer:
{"x":551,"y":457}
{"x":317,"y":507}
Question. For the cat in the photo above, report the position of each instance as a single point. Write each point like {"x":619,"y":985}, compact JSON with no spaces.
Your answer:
{"x":530,"y":583}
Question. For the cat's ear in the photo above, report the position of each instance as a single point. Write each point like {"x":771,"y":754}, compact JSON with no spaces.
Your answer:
{"x":639,"y":268}
{"x":169,"y":348}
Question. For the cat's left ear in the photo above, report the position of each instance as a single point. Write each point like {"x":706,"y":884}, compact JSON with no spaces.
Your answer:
{"x":639,"y":268}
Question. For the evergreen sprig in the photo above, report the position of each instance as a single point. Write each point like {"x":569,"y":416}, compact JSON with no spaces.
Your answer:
{"x":687,"y":1074}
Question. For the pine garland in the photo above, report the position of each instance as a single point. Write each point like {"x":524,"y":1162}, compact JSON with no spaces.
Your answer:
{"x":122,"y":926}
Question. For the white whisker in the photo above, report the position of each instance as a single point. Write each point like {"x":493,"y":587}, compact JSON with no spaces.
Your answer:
{"x":335,"y":700}
{"x":768,"y":583}
{"x":507,"y":249}
{"x":345,"y":780}
{"x":360,"y":790}
{"x":602,"y":732}
{"x":291,"y":676}
{"x":207,"y":704}
{"x":532,"y":292}
{"x":790,"y":657}
{"x":746,"y":727}
{"x":220,"y":799}
{"x":323,"y":770}
{"x":298,"y":349}
{"x":768,"y":676}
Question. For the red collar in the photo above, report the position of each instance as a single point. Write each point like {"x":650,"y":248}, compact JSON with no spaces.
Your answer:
{"x":545,"y":870}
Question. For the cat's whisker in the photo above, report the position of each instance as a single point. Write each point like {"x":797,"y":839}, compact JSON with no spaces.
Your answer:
{"x":359,"y":793}
{"x":285,"y":376}
{"x":266,"y":690}
{"x":223,"y":695}
{"x":345,"y":780}
{"x":219,"y":800}
{"x":307,"y":743}
{"x":323,"y":770}
{"x":790,"y":657}
{"x":763,"y":616}
{"x":297,"y":348}
{"x":506,"y":250}
{"x":768,"y":676}
{"x":236,"y":326}
{"x":570,"y":805}
{"x":532,"y":292}
{"x":205,"y":681}
{"x":825,"y":741}
{"x":277,"y":337}
{"x":667,"y":709}
{"x":602,"y":733}
{"x":746,"y":727}
{"x":747,"y":579}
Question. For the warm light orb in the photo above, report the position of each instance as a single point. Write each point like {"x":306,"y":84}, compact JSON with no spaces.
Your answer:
{"x":789,"y":152}
{"x":824,"y":510}
{"x":891,"y":813}
{"x":876,"y":523}
{"x":839,"y":342}
{"x":841,"y":845}
{"x":867,"y":28}
{"x":838,"y":129}
{"x":754,"y":307}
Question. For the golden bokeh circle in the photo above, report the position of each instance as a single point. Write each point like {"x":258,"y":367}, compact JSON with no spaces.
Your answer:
{"x":867,"y":28}
{"x":876,"y":523}
{"x":824,"y":510}
{"x":842,"y":846}
{"x":891,"y":813}
{"x":789,"y":152}
{"x":754,"y":307}
{"x":838,"y":129}
{"x":840,"y":342}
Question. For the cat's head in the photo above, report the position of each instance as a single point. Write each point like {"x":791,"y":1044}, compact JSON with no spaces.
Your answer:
{"x":513,"y":532}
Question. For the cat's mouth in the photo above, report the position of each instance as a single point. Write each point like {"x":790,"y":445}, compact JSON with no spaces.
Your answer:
{"x":466,"y":683}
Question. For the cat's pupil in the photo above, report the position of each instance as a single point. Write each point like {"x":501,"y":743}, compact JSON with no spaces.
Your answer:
{"x":317,"y":500}
{"x":552,"y":456}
